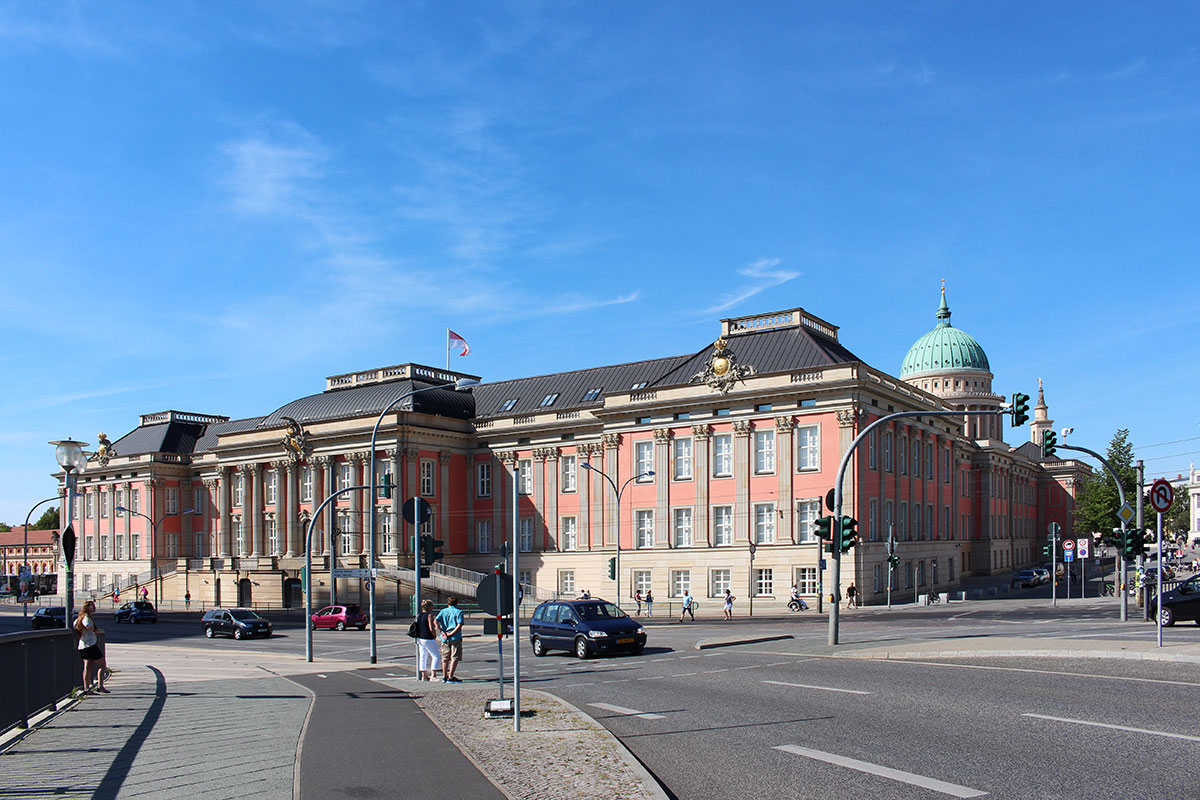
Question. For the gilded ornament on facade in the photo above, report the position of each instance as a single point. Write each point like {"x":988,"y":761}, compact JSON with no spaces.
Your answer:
{"x":104,"y":450}
{"x":295,"y":441}
{"x":722,"y":370}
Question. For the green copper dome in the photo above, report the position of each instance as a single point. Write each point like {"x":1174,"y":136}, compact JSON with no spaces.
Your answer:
{"x":944,"y":349}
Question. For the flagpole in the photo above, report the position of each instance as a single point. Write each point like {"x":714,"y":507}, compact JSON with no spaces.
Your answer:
{"x":447,"y":349}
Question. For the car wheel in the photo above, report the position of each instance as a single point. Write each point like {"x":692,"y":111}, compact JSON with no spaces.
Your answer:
{"x":209,"y":632}
{"x":341,"y":626}
{"x":1167,"y":618}
{"x":539,"y":649}
{"x":237,"y":633}
{"x":581,"y":649}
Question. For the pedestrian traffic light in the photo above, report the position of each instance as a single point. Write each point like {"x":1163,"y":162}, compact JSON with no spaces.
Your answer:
{"x":612,"y":568}
{"x":847,"y":534}
{"x":386,"y":491}
{"x":1049,"y":444}
{"x":1020,"y":409}
{"x":824,"y":530}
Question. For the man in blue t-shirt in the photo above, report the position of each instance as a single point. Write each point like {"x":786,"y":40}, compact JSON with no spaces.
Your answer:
{"x":450,"y":622}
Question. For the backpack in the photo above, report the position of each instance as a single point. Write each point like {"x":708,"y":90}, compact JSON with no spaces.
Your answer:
{"x":414,"y":629}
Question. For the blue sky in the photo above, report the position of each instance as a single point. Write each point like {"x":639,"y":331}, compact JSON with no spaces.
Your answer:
{"x":212,"y":206}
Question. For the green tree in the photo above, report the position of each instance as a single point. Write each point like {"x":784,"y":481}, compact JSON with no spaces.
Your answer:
{"x":5,"y":527}
{"x":47,"y":521}
{"x":1176,"y":522}
{"x":1096,"y":500}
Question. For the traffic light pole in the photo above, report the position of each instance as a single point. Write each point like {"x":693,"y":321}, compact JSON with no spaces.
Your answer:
{"x":836,"y":567}
{"x":1124,"y":527}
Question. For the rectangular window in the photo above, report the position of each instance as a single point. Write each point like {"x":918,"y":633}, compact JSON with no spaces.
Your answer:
{"x":934,"y":572}
{"x":525,"y":466}
{"x":90,"y":505}
{"x":388,"y":540}
{"x":384,"y":476}
{"x":172,"y":501}
{"x":807,"y":512}
{"x":120,"y":548}
{"x":872,"y":442}
{"x":525,"y":526}
{"x":889,"y":520}
{"x":643,"y":461}
{"x":887,"y":451}
{"x":524,"y":576}
{"x":722,"y":450}
{"x":566,"y":582}
{"x":946,"y":533}
{"x":950,"y":569}
{"x":641,"y":580}
{"x":683,"y":459}
{"x":548,"y":400}
{"x":916,"y":522}
{"x":902,"y":522}
{"x":929,"y":521}
{"x":344,"y":534}
{"x":483,"y":479}
{"x":568,"y":534}
{"x":929,"y":460}
{"x":272,"y":487}
{"x":921,"y":572}
{"x":344,"y":472}
{"x":644,"y":524}
{"x":103,"y":548}
{"x":570,"y":470}
{"x":238,"y":537}
{"x":272,"y":537}
{"x":806,"y":580}
{"x":873,"y":520}
{"x":426,"y":527}
{"x":103,"y":505}
{"x":592,"y":394}
{"x":239,"y":491}
{"x":764,"y":452}
{"x":875,"y":585}
{"x":808,"y":448}
{"x":483,"y":536}
{"x":508,"y":404}
{"x":306,"y":484}
{"x":945,"y":465}
{"x":764,"y":582}
{"x":199,"y":501}
{"x":902,"y":455}
{"x":718,"y":582}
{"x":908,"y":575}
{"x":682,"y":527}
{"x":722,"y":525}
{"x":120,"y":503}
{"x":764,"y":523}
{"x":681,"y":581}
{"x":90,"y":548}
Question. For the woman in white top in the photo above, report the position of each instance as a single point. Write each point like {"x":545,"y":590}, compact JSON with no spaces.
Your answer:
{"x":94,"y":665}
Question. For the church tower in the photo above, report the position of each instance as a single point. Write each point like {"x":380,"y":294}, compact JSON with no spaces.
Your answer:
{"x":1041,"y":422}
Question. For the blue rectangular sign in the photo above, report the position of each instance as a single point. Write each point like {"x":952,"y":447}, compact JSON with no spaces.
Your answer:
{"x":1068,"y":555}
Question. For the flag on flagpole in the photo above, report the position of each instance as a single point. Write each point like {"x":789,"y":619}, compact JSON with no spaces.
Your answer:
{"x":454,"y":342}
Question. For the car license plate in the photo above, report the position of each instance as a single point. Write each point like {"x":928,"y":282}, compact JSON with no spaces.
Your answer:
{"x":625,"y":641}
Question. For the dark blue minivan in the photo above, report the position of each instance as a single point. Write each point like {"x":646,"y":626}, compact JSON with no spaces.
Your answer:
{"x":584,"y":627}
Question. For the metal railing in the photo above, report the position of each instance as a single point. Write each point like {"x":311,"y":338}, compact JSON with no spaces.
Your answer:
{"x":40,"y":668}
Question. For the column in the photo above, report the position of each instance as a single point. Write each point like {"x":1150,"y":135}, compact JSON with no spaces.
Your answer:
{"x":612,"y":466}
{"x":206,"y":520}
{"x":322,"y":469}
{"x":784,"y":448}
{"x":254,"y":492}
{"x":701,"y":519}
{"x":357,"y":519}
{"x":741,"y":478}
{"x":540,"y":457}
{"x":502,"y":488}
{"x":548,"y":530}
{"x":186,"y":500}
{"x":225,"y":536}
{"x":292,"y":487}
{"x":662,"y":485}
{"x":584,"y":487}
{"x":154,"y":505}
{"x":443,"y":494}
{"x":394,"y":506}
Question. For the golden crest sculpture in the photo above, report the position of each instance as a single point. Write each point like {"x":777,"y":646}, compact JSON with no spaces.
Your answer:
{"x":722,"y":370}
{"x":295,"y":441}
{"x":104,"y":450}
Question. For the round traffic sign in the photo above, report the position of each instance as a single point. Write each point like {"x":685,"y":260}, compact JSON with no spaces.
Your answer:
{"x":1068,"y":544}
{"x":1162,"y":493}
{"x":495,"y":594}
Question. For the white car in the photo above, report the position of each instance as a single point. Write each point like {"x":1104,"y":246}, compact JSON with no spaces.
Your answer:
{"x":1043,"y":574}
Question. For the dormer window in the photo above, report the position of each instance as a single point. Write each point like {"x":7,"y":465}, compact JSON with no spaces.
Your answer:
{"x":548,"y":400}
{"x":508,"y":404}
{"x":637,"y":386}
{"x":592,"y":394}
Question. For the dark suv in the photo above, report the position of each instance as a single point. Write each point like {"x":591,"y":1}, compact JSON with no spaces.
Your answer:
{"x":240,"y":623}
{"x":136,"y":611}
{"x":585,"y":627}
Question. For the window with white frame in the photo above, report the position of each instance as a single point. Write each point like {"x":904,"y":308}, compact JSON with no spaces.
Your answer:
{"x":90,"y":505}
{"x":272,"y":537}
{"x":525,"y":530}
{"x":238,"y":536}
{"x":872,"y":457}
{"x":718,"y":581}
{"x":764,"y":523}
{"x":90,"y":548}
{"x":929,"y":521}
{"x":722,"y":526}
{"x":641,"y":580}
{"x":873,"y":519}
{"x":681,"y":526}
{"x":916,"y":458}
{"x":386,"y":532}
{"x":272,"y":487}
{"x":644,"y":525}
{"x":808,"y":448}
{"x":568,"y":536}
{"x":103,"y":504}
{"x":171,"y":545}
{"x":681,"y":581}
{"x":239,"y":491}
{"x":570,"y":469}
{"x":764,"y":452}
{"x":902,"y":454}
{"x":566,"y":582}
{"x":524,"y":576}
{"x":525,"y":476}
{"x":383,"y":475}
{"x":902,"y":522}
{"x":483,"y":536}
{"x":345,"y":536}
{"x":889,"y":520}
{"x":198,"y":545}
{"x":916,"y":522}
{"x":722,"y":450}
{"x":306,"y":484}
{"x":120,"y":503}
{"x":426,"y":527}
{"x":929,"y":460}
{"x":428,"y":481}
{"x":807,"y":512}
{"x":345,"y":472}
{"x":199,"y":500}
{"x":172,"y":501}
{"x":643,"y":453}
{"x":120,"y":548}
{"x":135,"y":500}
{"x":764,"y":582}
{"x":946,"y":532}
{"x":682,"y":459}
{"x":945,"y":465}
{"x":483,"y":479}
{"x":887,"y":451}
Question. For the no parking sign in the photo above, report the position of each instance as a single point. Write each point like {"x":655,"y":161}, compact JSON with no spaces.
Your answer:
{"x":1082,"y":547}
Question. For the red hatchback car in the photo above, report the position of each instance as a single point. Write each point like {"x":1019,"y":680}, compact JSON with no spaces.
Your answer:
{"x":340,"y":618}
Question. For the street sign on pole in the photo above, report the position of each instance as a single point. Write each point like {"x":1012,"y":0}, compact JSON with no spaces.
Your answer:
{"x":1053,"y":528}
{"x":1068,"y":555}
{"x":1126,"y":513}
{"x":416,"y":510}
{"x":1082,"y":547}
{"x":347,"y":572}
{"x":1162,"y":493}
{"x":1068,"y":546}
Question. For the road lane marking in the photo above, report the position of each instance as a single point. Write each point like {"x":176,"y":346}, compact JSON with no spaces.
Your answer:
{"x":685,"y":658}
{"x":1034,"y":671}
{"x":822,"y":688}
{"x":685,"y":674}
{"x":651,"y":678}
{"x":629,"y":712}
{"x":911,"y":778}
{"x":714,"y":671}
{"x":619,"y":680}
{"x":1115,"y":727}
{"x":573,"y":685}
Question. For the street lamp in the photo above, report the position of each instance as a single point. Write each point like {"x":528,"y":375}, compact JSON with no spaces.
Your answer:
{"x":461,"y":383}
{"x":70,"y":456}
{"x":618,"y":492}
{"x":25,"y":567}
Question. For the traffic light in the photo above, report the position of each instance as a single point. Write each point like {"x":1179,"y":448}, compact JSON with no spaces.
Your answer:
{"x":430,"y":548}
{"x":1020,"y":409}
{"x":1113,"y":539}
{"x":1135,"y":543}
{"x":847,"y":535}
{"x":386,"y":491}
{"x":612,"y":568}
{"x":1049,"y":444}
{"x":1048,"y":550}
{"x":894,"y":561}
{"x":824,"y":529}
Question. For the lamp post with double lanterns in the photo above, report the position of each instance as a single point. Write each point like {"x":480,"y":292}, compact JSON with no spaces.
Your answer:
{"x":617,"y":512}
{"x":70,"y":456}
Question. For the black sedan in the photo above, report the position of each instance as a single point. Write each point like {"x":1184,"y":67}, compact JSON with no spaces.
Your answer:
{"x":49,"y":617}
{"x":135,"y":612}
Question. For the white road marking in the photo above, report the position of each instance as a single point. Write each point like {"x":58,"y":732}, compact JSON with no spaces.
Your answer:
{"x":652,"y":678}
{"x":631,"y":712}
{"x":911,"y":778}
{"x":1115,"y":727}
{"x":685,"y":674}
{"x":1038,"y":671}
{"x":320,"y":675}
{"x":822,"y":688}
{"x":752,"y":666}
{"x":571,"y":685}
{"x":714,"y":671}
{"x":685,"y":658}
{"x":621,"y":680}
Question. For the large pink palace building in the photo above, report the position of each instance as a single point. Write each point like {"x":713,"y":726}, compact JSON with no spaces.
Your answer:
{"x":743,"y":436}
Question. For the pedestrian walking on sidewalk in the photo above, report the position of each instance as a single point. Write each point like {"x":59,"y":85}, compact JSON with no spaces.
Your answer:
{"x":637,"y":598}
{"x":729,"y":598}
{"x":94,"y":665}
{"x":686,"y":608}
{"x":649,"y":603}
{"x":187,"y":600}
{"x":851,"y":593}
{"x":429,"y":657}
{"x":450,"y":622}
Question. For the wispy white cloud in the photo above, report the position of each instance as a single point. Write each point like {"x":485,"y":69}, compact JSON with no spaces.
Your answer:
{"x":761,"y":275}
{"x":271,"y":170}
{"x":1130,"y":70}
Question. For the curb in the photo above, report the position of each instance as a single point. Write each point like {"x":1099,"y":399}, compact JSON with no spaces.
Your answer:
{"x":708,"y":644}
{"x":1126,"y":655}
